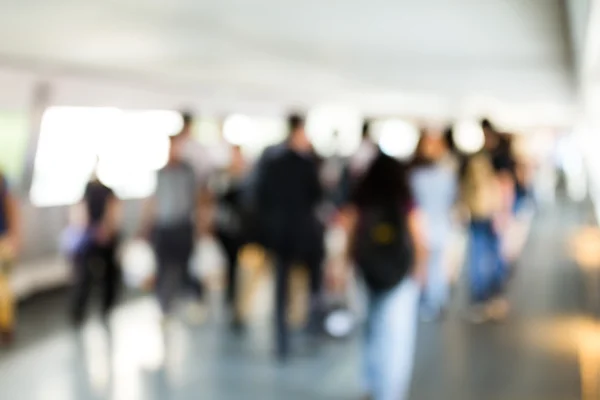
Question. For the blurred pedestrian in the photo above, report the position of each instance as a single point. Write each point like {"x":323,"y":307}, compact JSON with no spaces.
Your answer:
{"x":231,"y":225}
{"x":10,"y":241}
{"x":484,"y":186}
{"x":388,"y":248}
{"x":435,"y":185}
{"x":288,"y":195}
{"x":170,"y":218}
{"x":95,"y":254}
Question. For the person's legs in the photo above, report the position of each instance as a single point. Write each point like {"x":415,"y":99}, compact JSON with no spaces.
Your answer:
{"x":170,"y":273}
{"x":82,"y":281}
{"x":369,"y":359}
{"x":282,"y":270}
{"x":315,"y":299}
{"x":435,"y":294}
{"x":478,"y":260}
{"x":182,"y":243}
{"x":499,"y":270}
{"x":111,"y":278}
{"x":231,"y":247}
{"x":168,"y":284}
{"x":393,"y":338}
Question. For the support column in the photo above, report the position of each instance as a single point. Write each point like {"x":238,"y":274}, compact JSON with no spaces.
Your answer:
{"x":40,"y":101}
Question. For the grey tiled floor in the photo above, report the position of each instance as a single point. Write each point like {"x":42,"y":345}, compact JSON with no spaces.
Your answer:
{"x":534,"y":355}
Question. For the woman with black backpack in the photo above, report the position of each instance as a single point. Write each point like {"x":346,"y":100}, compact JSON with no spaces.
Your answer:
{"x":387,"y":247}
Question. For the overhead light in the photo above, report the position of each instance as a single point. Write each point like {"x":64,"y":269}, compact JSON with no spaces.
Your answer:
{"x":239,"y":129}
{"x":468,"y":137}
{"x":397,"y":138}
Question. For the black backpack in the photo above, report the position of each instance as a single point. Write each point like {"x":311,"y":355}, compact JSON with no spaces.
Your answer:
{"x":383,"y":247}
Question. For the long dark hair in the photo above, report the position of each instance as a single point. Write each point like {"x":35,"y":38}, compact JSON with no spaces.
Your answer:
{"x":384,"y":183}
{"x":419,"y":159}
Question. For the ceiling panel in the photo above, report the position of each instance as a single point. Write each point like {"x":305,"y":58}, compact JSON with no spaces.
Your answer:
{"x":302,"y":51}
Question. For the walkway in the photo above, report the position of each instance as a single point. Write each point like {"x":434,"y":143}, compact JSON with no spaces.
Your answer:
{"x":533,"y":356}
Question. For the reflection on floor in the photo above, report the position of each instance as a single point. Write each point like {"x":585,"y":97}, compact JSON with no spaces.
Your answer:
{"x":537,"y":354}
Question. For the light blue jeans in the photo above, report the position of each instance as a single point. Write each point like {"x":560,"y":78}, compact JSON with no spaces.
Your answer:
{"x":436,"y":291}
{"x":390,"y":341}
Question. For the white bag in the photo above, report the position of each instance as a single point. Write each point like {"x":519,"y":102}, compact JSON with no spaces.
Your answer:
{"x":138,"y":263}
{"x":208,"y":259}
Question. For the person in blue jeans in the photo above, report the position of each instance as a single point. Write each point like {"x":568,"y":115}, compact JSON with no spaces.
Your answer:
{"x":434,"y":182}
{"x":486,"y":266}
{"x":484,"y":197}
{"x":391,"y":323}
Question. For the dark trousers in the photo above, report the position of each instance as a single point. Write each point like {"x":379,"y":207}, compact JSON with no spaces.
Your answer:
{"x":232,"y":246}
{"x":93,"y":261}
{"x":282,"y":290}
{"x":174,"y":247}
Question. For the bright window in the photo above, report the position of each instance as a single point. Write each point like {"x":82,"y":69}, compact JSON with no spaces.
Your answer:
{"x":253,"y":134}
{"x":240,"y":130}
{"x":130,"y":147}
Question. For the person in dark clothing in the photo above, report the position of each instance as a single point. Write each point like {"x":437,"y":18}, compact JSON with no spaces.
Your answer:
{"x":289,"y":193}
{"x":255,"y":233}
{"x":231,"y":225}
{"x":96,"y":253}
{"x":391,"y":254}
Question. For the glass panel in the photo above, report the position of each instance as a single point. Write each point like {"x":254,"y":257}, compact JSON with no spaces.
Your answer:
{"x":13,"y":144}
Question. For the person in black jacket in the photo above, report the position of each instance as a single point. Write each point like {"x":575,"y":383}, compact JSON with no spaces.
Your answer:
{"x":232,"y":225}
{"x":288,"y":194}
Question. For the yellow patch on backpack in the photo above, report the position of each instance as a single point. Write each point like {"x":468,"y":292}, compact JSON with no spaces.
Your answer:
{"x":384,"y":234}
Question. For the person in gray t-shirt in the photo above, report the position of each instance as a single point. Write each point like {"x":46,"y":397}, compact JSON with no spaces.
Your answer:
{"x":169,"y":221}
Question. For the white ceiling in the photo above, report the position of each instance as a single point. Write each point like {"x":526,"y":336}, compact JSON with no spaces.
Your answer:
{"x":427,"y":57}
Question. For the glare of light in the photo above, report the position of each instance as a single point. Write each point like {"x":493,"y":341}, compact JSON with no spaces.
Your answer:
{"x":397,"y":138}
{"x":97,"y":354}
{"x":131,"y":146}
{"x":468,"y":137}
{"x":323,"y":123}
{"x":269,"y":131}
{"x":66,"y":152}
{"x":239,"y":130}
{"x":128,"y":184}
{"x":150,"y":122}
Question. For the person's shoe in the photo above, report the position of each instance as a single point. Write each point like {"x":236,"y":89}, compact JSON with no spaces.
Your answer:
{"x":498,"y":309}
{"x":477,"y":314}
